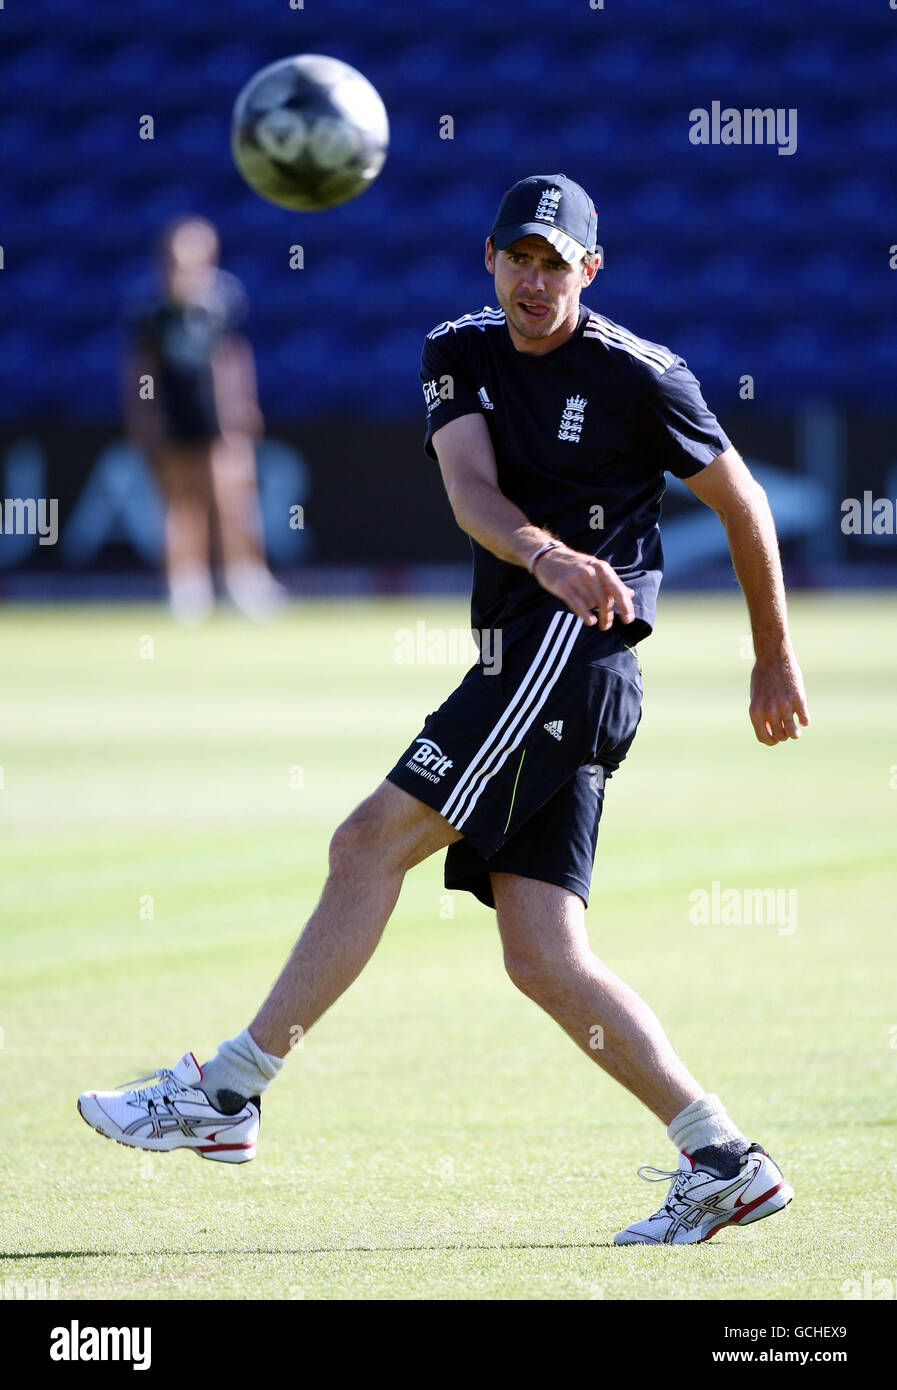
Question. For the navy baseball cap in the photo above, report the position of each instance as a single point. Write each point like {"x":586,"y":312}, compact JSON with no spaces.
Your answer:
{"x":552,"y":206}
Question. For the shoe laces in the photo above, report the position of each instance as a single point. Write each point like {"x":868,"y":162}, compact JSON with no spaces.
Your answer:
{"x":678,"y":1180}
{"x":675,"y":1176}
{"x":661,"y":1173}
{"x":163,"y":1082}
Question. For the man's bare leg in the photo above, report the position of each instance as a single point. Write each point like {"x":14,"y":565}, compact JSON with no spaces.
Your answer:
{"x":235,"y":489}
{"x":247,"y":577}
{"x":548,"y":956}
{"x":370,"y":854}
{"x":185,"y":476}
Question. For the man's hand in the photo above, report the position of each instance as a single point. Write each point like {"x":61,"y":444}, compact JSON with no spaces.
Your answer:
{"x":777,"y":686}
{"x":777,"y":698}
{"x":584,"y":583}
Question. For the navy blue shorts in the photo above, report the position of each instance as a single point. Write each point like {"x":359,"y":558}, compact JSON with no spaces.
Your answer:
{"x":517,"y":757}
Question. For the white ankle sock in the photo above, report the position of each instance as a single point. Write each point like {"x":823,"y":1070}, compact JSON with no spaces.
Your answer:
{"x":240,"y":1065}
{"x":701,"y":1124}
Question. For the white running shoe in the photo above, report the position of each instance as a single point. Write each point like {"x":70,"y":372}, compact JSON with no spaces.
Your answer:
{"x":172,"y":1113}
{"x":700,"y":1203}
{"x":191,"y":595}
{"x":254,"y":590}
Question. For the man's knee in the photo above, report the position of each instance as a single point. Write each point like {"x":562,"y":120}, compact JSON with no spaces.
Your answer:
{"x":390,"y":831}
{"x":523,"y":971}
{"x":543,"y":937}
{"x":537,"y":973}
{"x":356,"y":841}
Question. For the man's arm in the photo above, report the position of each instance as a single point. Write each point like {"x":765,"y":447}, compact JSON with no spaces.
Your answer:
{"x":582,"y":582}
{"x":777,"y":688}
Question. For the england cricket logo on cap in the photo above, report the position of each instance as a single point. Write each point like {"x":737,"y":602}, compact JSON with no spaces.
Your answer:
{"x":548,"y":205}
{"x":551,"y":206}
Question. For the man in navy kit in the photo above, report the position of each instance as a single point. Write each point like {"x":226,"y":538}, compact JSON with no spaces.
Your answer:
{"x":553,"y":428}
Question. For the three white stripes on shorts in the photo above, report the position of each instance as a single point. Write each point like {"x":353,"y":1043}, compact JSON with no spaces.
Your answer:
{"x":509,"y":732}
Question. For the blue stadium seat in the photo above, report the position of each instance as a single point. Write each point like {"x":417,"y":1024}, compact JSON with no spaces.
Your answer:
{"x":714,"y":64}
{"x":860,"y":199}
{"x":710,"y":350}
{"x":138,"y":69}
{"x":198,"y":141}
{"x":616,"y":67}
{"x":226,"y":69}
{"x":876,"y":130}
{"x":879,"y":357}
{"x":21,"y":350}
{"x":38,"y":70}
{"x":424,"y":65}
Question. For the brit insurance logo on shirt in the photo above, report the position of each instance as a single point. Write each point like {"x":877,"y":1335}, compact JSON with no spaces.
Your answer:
{"x":431,"y":395}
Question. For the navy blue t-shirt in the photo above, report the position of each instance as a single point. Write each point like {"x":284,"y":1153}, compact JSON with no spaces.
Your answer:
{"x":582,"y":436}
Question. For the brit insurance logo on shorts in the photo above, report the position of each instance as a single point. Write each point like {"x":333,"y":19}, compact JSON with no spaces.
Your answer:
{"x":429,"y":761}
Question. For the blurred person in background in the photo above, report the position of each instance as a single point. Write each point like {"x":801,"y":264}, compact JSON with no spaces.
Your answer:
{"x":199,"y":425}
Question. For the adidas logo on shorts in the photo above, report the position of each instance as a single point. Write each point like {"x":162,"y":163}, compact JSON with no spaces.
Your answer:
{"x":555,"y":728}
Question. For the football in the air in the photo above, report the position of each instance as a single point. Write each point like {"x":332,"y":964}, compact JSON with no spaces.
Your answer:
{"x":309,"y":132}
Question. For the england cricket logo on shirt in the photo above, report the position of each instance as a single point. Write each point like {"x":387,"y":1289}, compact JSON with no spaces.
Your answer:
{"x":572,"y":418}
{"x":548,"y":205}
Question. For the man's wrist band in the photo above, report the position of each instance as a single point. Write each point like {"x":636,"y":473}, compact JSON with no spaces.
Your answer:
{"x":543,"y":549}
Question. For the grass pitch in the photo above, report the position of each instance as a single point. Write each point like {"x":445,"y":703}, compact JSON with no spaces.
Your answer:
{"x":166,"y":804}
